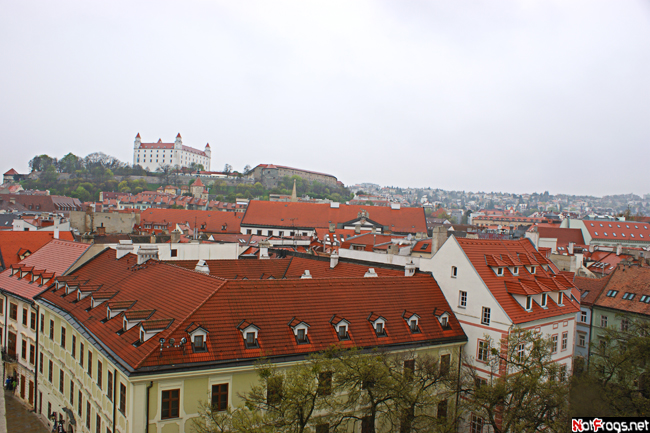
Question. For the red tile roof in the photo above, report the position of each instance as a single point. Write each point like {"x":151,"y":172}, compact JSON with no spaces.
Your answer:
{"x":11,"y":242}
{"x":54,"y":258}
{"x":628,"y":231}
{"x":214,"y":221}
{"x":316,"y":215}
{"x":627,"y":279}
{"x":563,"y":235}
{"x":220,"y":306}
{"x":590,"y":288}
{"x":486,"y":253}
{"x":11,"y":172}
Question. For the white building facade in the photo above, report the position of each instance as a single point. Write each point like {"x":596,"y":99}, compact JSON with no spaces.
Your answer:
{"x":152,"y":156}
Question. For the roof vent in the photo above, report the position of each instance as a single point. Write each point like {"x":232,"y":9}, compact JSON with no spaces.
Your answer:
{"x":306,"y":275}
{"x":123,"y":248}
{"x":146,"y":252}
{"x":371,"y":273}
{"x":395,"y":206}
{"x":202,"y":266}
{"x":335,"y":205}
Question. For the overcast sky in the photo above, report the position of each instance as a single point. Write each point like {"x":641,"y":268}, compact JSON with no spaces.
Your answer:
{"x":513,"y":96}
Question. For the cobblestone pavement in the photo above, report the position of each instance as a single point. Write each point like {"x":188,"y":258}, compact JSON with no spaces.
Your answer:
{"x":19,"y":419}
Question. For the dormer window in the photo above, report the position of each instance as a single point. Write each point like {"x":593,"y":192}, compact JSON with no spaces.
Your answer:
{"x":515,"y":270}
{"x":529,"y":303}
{"x":378,"y":324}
{"x":300,"y":329}
{"x":198,"y":342}
{"x":250,"y":333}
{"x":533,"y":269}
{"x":142,"y":334}
{"x":343,"y":332}
{"x":341,"y":326}
{"x":544,"y":296}
{"x":500,"y":272}
{"x":443,"y":318}
{"x":412,"y":320}
{"x":560,"y":298}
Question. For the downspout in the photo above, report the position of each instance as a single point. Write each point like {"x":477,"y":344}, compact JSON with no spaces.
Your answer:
{"x":460,"y":353}
{"x":114,"y":395}
{"x":591,"y":332}
{"x":36,"y":363}
{"x":5,"y":333}
{"x":146,"y":427}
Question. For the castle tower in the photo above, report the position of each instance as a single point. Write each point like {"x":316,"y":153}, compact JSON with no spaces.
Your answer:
{"x":208,"y":153}
{"x":178,"y":144}
{"x":137,"y":142}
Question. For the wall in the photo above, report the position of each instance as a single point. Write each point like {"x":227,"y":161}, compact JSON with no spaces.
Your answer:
{"x":111,"y":221}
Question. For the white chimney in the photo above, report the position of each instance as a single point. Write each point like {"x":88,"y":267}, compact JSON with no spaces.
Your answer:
{"x":202,"y":266}
{"x":123,"y":248}
{"x":619,"y":249}
{"x":56,"y":231}
{"x":306,"y":275}
{"x":571,"y":248}
{"x":264,"y":249}
{"x":371,"y":273}
{"x":146,"y":252}
{"x":334,"y":259}
{"x":409,"y":269}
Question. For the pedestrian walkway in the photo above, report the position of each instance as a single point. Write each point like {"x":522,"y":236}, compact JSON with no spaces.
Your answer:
{"x":16,"y":418}
{"x":3,"y":420}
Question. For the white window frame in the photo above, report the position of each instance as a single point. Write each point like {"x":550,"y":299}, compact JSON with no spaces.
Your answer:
{"x":462,"y":299}
{"x":486,"y":314}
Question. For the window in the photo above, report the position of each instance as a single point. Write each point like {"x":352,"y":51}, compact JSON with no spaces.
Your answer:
{"x":529,"y":303}
{"x":325,"y":383}
{"x":301,"y":336}
{"x":32,"y":321}
{"x":582,"y":339}
{"x":612,"y":293}
{"x":42,"y":324}
{"x":515,"y":271}
{"x":445,"y":362}
{"x":98,"y":426}
{"x":174,"y":253}
{"x":32,"y":354}
{"x":220,"y":397}
{"x":251,"y":341}
{"x":24,"y":316}
{"x":51,"y":329}
{"x":485,"y":316}
{"x":90,"y":363}
{"x":63,"y":337}
{"x":24,"y":350}
{"x":50,"y":368}
{"x":454,"y":271}
{"x":74,"y":347}
{"x":100,"y":372}
{"x":583,"y":316}
{"x":544,"y":298}
{"x":409,"y":367}
{"x":500,"y":272}
{"x":13,"y":311}
{"x":413,"y":325}
{"x":379,"y":329}
{"x":625,"y":324}
{"x":442,"y":409}
{"x":109,"y":385}
{"x":88,"y":415}
{"x":462,"y":299}
{"x":476,"y":424}
{"x":603,"y":321}
{"x":533,"y":269}
{"x":629,"y":296}
{"x":521,"y":351}
{"x":554,"y":344}
{"x":170,"y":403}
{"x":565,"y":340}
{"x":274,"y":390}
{"x":71,"y":393}
{"x":40,"y":363}
{"x":343,"y":332}
{"x":61,"y":379}
{"x":81,"y":354}
{"x":562,"y":372}
{"x":560,"y":298}
{"x":122,"y":398}
{"x":483,"y":351}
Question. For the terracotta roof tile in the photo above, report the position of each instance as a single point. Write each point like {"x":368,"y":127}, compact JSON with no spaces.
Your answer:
{"x":11,"y":242}
{"x":627,"y":280}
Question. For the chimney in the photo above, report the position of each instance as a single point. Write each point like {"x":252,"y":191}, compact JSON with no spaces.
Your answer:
{"x":202,"y":266}
{"x":264,"y":249}
{"x":332,"y":227}
{"x":591,"y":248}
{"x":393,"y":249}
{"x":334,"y":259}
{"x":371,"y":273}
{"x":571,"y":248}
{"x":619,"y":249}
{"x":306,"y":275}
{"x":56,"y":229}
{"x":357,"y":228}
{"x":152,"y":239}
{"x":175,"y":236}
{"x":146,"y":252}
{"x":123,"y":248}
{"x":409,"y":269}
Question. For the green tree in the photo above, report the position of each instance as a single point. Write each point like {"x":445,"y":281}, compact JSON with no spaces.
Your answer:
{"x":530,"y":392}
{"x":69,"y":163}
{"x":41,"y":162}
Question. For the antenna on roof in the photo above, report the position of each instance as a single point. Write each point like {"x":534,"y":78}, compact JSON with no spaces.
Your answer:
{"x":162,"y":342}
